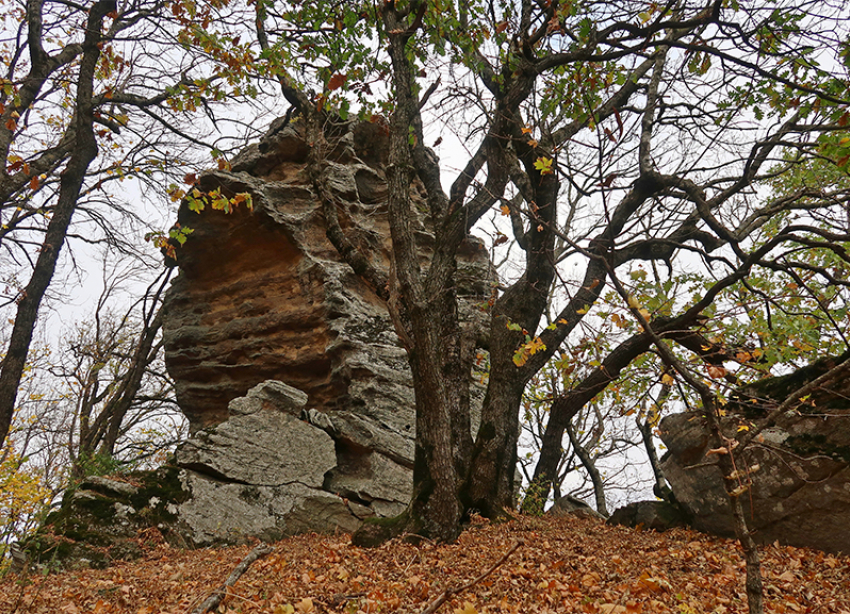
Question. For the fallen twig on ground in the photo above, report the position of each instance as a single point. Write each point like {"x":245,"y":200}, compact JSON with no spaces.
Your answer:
{"x":215,"y":598}
{"x":446,"y":594}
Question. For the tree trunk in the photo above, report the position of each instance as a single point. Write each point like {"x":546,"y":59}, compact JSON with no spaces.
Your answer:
{"x":589,"y":466}
{"x":490,"y":488}
{"x":71,"y":182}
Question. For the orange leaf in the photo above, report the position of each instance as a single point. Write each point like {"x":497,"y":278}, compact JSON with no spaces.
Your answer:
{"x":716,"y":372}
{"x":337,"y":81}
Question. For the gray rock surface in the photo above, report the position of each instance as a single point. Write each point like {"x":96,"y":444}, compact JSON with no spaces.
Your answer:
{"x":221,"y":512}
{"x":800,"y":492}
{"x":265,"y":473}
{"x":266,"y":448}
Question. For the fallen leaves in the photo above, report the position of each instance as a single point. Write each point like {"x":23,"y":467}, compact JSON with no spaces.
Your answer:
{"x":565,"y":565}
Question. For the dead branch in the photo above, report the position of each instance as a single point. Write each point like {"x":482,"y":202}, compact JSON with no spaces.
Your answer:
{"x":213,"y":601}
{"x":449,"y":592}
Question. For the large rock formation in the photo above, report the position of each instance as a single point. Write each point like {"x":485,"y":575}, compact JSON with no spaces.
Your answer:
{"x":263,"y":296}
{"x":801,"y":491}
{"x":297,"y":390}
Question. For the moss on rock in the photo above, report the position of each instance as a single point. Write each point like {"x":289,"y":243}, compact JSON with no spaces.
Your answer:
{"x":100,"y":519}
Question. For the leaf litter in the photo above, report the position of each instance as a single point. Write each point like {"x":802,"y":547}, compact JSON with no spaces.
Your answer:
{"x":563,"y":565}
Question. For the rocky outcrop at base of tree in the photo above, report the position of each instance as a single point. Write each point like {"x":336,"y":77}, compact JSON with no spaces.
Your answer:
{"x":799,"y":466}
{"x":567,"y":505}
{"x":653,"y":515}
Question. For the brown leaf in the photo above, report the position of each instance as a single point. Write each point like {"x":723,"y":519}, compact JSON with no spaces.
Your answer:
{"x":336,"y":81}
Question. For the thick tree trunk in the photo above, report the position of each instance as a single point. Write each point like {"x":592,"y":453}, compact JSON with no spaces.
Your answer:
{"x":71,"y":182}
{"x":435,"y":509}
{"x":490,"y":488}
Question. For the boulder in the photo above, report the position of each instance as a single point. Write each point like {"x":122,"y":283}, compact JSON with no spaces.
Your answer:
{"x":567,"y":505}
{"x":655,"y":515}
{"x":799,"y":466}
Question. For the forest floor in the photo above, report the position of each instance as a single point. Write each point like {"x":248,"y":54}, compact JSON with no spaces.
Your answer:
{"x":560,"y":566}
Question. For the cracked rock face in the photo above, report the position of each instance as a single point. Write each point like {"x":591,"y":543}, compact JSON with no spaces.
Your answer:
{"x":286,"y":364}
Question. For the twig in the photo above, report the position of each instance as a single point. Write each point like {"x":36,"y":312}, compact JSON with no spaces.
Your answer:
{"x":216,"y":597}
{"x":442,"y":598}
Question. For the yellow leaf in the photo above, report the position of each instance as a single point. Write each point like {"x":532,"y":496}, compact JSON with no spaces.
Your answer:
{"x":544,"y":165}
{"x":633,"y":302}
{"x":535,"y":346}
{"x":284,"y":608}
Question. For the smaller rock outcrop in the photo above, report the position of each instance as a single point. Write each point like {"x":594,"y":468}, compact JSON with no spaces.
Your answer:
{"x":102,"y":519}
{"x":567,"y":505}
{"x":799,"y":466}
{"x":654,"y":515}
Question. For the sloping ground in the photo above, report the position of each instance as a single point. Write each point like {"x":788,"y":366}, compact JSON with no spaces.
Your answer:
{"x":563,"y":565}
